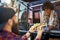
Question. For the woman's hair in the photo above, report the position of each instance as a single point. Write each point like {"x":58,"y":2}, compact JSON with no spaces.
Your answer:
{"x":48,"y":5}
{"x":23,"y":14}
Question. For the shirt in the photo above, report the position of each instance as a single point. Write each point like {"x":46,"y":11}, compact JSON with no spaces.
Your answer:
{"x":52,"y":21}
{"x":5,"y":35}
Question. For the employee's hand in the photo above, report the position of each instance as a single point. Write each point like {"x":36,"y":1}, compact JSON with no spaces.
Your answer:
{"x":40,"y":27}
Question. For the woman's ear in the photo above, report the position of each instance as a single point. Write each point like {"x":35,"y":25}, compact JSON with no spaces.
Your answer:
{"x":10,"y":22}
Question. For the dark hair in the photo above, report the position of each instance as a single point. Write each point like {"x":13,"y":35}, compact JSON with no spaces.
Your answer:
{"x":48,"y":5}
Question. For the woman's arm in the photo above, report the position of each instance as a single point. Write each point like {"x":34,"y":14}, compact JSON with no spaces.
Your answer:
{"x":27,"y":35}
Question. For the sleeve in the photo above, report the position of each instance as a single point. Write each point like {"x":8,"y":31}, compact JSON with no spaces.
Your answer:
{"x":24,"y":37}
{"x":53,"y":19}
{"x":42,"y":17}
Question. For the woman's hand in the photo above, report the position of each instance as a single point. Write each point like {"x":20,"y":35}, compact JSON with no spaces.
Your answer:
{"x":31,"y":30}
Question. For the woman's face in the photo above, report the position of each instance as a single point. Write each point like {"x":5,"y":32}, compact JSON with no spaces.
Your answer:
{"x":47,"y":11}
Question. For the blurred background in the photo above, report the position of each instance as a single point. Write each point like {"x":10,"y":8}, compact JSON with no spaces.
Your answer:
{"x":29,"y":11}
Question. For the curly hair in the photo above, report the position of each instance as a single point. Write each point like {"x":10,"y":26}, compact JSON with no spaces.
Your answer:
{"x":48,"y":5}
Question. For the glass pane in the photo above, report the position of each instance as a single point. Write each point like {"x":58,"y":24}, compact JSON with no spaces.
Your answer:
{"x":23,"y":17}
